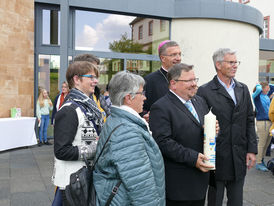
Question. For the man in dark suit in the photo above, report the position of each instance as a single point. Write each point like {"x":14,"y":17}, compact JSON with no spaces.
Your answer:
{"x":236,"y":143}
{"x":156,"y":83}
{"x":179,"y":134}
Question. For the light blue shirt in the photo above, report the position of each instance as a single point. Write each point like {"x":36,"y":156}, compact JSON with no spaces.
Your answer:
{"x":230,"y":89}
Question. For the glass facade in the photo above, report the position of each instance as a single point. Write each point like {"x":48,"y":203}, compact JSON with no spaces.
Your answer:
{"x":108,"y":36}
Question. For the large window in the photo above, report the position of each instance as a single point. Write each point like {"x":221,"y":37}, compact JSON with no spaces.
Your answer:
{"x":51,"y":27}
{"x":121,"y":42}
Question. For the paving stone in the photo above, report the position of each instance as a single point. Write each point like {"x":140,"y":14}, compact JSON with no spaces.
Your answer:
{"x":30,"y":199}
{"x":4,"y":202}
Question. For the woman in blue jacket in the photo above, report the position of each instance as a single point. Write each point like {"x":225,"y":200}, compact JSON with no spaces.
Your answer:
{"x":131,"y":155}
{"x":262,"y":95}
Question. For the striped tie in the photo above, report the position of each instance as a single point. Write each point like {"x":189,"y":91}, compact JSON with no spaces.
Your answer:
{"x":191,"y":109}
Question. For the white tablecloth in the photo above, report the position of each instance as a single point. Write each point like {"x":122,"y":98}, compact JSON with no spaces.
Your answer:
{"x":17,"y":132}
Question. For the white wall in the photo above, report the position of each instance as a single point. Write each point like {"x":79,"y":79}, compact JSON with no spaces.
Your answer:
{"x":199,"y":38}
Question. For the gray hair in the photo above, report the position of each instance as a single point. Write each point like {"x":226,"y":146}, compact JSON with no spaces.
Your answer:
{"x":175,"y":71}
{"x":124,"y":83}
{"x":163,"y":48}
{"x":218,"y":55}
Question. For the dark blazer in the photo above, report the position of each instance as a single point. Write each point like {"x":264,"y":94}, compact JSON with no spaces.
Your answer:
{"x":180,"y":138}
{"x":156,"y":87}
{"x":237,"y":130}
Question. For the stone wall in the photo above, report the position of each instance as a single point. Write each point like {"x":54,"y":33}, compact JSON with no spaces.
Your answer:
{"x":17,"y":56}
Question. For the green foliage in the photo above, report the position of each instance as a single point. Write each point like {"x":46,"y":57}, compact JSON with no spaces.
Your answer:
{"x":126,"y":45}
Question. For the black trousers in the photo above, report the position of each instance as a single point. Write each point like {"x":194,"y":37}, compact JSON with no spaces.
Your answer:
{"x":185,"y":203}
{"x":234,"y":192}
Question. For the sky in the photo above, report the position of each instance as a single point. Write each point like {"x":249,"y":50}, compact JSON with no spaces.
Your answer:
{"x":94,"y":31}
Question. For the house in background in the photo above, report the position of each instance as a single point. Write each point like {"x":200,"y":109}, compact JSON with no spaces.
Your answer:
{"x":266,"y":63}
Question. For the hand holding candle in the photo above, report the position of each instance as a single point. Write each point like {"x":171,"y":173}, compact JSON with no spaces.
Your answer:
{"x":210,"y":139}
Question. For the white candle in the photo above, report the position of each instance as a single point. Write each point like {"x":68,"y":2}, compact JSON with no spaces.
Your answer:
{"x":210,"y":138}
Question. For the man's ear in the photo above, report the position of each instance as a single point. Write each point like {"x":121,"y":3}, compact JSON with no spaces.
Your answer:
{"x":172,"y":84}
{"x":218,"y":65}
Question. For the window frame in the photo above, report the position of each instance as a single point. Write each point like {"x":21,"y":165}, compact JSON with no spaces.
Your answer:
{"x":150,"y":28}
{"x":140,"y":32}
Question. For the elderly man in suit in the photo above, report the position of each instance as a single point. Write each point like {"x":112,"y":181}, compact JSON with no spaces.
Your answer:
{"x":156,"y":83}
{"x":236,"y":144}
{"x":176,"y":122}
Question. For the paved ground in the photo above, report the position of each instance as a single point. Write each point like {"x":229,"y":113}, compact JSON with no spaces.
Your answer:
{"x":25,"y":179}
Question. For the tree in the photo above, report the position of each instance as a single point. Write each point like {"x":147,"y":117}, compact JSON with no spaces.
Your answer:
{"x":126,"y":45}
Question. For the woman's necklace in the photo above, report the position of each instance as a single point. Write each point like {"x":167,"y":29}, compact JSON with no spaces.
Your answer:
{"x":164,"y":75}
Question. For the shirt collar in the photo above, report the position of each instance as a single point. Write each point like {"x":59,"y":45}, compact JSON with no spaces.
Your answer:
{"x":182,"y":100}
{"x":132,"y":111}
{"x":164,"y":69}
{"x":232,"y":83}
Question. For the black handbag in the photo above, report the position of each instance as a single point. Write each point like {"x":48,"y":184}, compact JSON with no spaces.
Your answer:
{"x":81,"y":191}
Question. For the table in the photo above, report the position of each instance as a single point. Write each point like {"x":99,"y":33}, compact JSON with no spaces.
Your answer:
{"x":17,"y":132}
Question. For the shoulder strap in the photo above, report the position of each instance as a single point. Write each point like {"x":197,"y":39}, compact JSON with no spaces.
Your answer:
{"x":113,"y":193}
{"x":94,"y":163}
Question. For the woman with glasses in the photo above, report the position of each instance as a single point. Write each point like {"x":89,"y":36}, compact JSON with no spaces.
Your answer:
{"x":77,"y":125}
{"x":131,"y":155}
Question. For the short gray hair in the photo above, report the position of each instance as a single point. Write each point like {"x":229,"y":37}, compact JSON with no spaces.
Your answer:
{"x":124,"y":83}
{"x":218,"y":55}
{"x":163,"y":48}
{"x":175,"y":71}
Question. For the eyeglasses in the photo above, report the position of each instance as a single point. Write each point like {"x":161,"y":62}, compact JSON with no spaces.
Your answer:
{"x":233,"y":63}
{"x":92,"y":77}
{"x":174,"y":55}
{"x":143,"y":93}
{"x":187,"y":81}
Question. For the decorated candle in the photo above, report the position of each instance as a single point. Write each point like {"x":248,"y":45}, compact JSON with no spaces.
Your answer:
{"x":210,"y":138}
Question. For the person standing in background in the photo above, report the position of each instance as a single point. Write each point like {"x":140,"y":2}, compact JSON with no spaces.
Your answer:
{"x":43,"y":108}
{"x":262,"y":94}
{"x":156,"y":83}
{"x":59,"y":100}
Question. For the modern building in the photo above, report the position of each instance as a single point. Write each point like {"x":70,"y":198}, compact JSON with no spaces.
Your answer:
{"x":39,"y":38}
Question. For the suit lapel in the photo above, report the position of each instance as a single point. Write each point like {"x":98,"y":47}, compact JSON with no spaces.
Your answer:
{"x":175,"y":100}
{"x":198,"y":109}
{"x":238,"y":90}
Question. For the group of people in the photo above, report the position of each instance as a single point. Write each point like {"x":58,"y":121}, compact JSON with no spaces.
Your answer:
{"x":264,"y":110}
{"x":157,"y":151}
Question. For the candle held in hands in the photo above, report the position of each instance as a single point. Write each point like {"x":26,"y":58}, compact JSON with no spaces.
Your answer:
{"x":210,"y":138}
